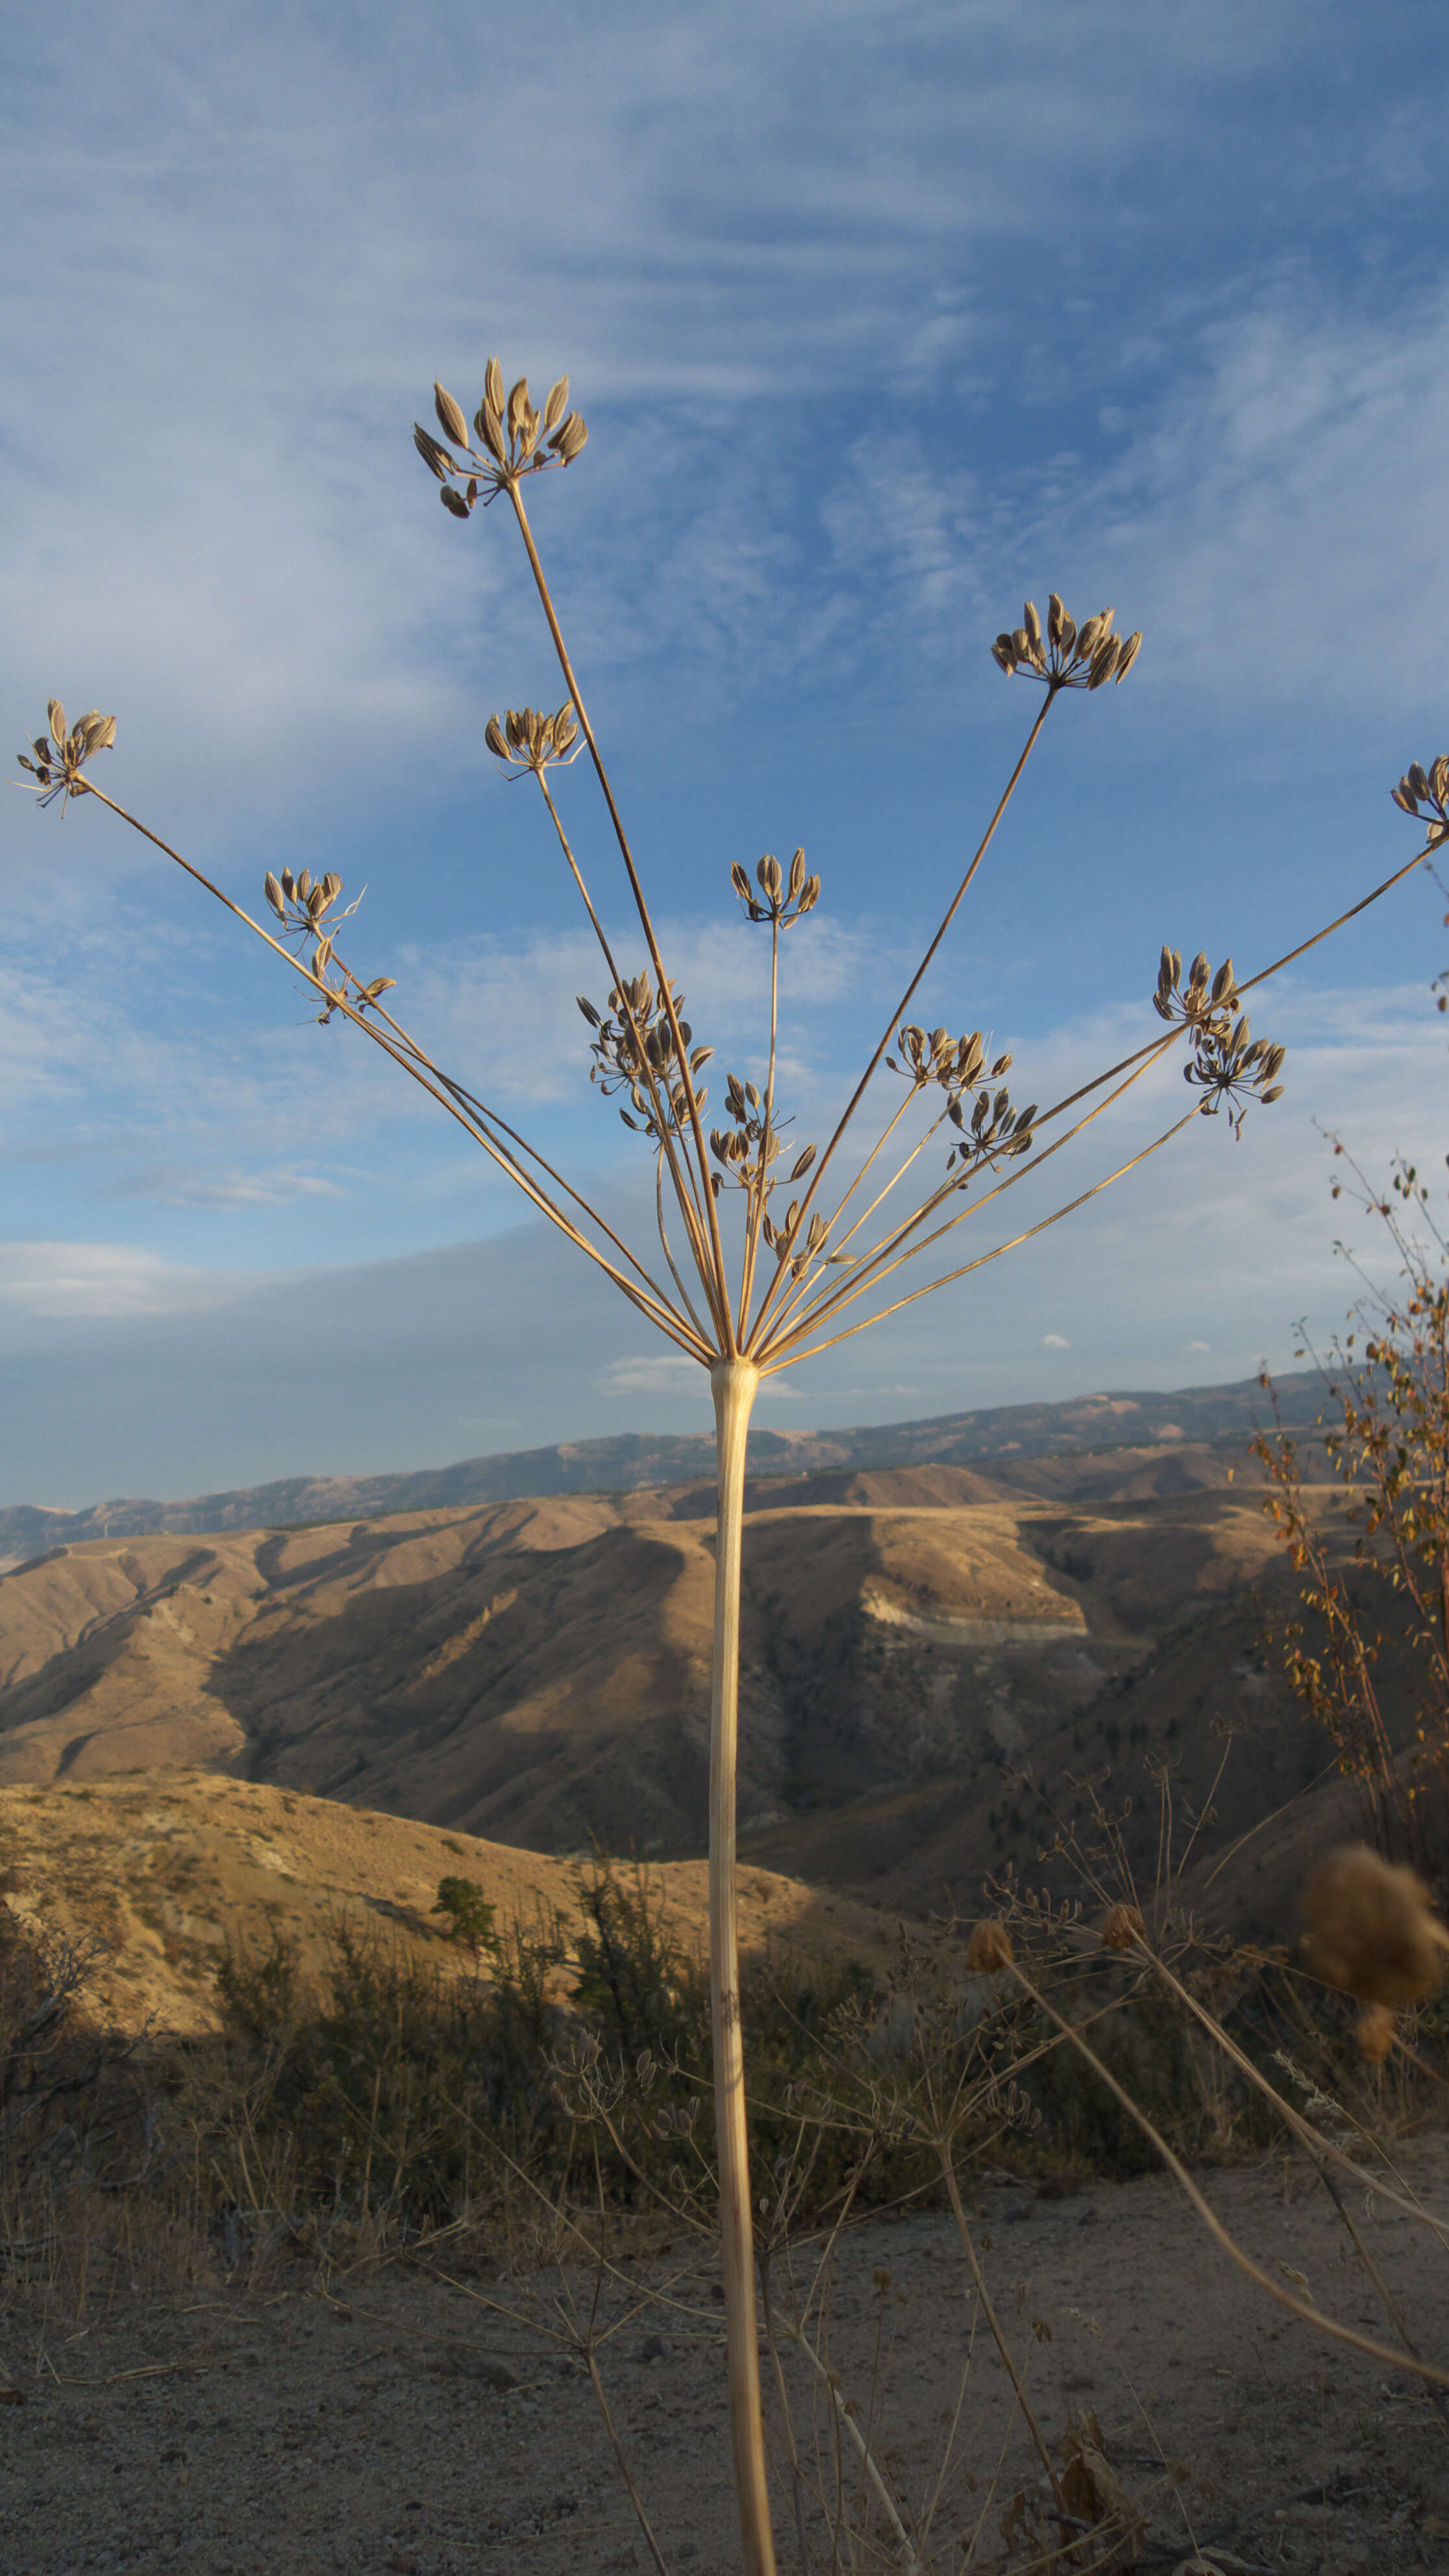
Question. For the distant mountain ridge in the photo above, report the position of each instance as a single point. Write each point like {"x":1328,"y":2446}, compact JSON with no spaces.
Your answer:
{"x":995,"y":1436}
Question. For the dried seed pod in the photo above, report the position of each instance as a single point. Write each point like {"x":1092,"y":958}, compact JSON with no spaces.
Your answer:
{"x":989,"y":1949}
{"x":1032,"y":624}
{"x":797,"y":875}
{"x":436,"y":458}
{"x":557,"y":403}
{"x":1368,"y":1929}
{"x":450,"y":415}
{"x":1129,"y":653}
{"x":1122,"y":1925}
{"x":453,"y":502}
{"x":488,"y":422}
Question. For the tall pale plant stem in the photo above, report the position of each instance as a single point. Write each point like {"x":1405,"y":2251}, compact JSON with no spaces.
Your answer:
{"x":721,"y":1276}
{"x":734,"y":1382}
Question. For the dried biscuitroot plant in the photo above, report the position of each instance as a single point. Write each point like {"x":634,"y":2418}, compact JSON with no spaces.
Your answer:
{"x":751,"y":1289}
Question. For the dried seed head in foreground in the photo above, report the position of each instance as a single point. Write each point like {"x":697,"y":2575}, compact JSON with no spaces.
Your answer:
{"x":989,"y":1949}
{"x":1122,"y":1925}
{"x":61,"y":754}
{"x":1374,"y":2033}
{"x":1424,"y":793}
{"x":1368,"y":1930}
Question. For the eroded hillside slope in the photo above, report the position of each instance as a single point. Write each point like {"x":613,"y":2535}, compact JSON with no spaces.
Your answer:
{"x":933,"y":1666}
{"x":165,"y":1873}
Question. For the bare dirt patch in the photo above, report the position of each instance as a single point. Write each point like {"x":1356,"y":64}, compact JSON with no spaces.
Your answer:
{"x":394,"y":2422}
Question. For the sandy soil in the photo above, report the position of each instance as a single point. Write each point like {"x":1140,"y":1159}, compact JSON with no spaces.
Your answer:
{"x":396,"y":2422}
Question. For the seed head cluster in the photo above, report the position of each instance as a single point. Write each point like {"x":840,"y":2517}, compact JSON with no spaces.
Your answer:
{"x":633,"y":1049}
{"x":1068,"y":656}
{"x":55,"y":759}
{"x":1229,"y":1065}
{"x":513,"y":436}
{"x":529,"y":743}
{"x":778,"y":900}
{"x":1424,"y":793}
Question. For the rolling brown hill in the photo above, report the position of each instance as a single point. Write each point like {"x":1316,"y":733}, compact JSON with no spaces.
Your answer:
{"x":936,"y":1662}
{"x":166,"y":1871}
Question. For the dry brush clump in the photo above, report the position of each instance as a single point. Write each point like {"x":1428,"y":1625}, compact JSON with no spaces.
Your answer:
{"x":768,"y":1252}
{"x":1367,"y":1651}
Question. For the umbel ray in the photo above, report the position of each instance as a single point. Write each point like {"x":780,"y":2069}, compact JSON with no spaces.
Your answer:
{"x":766,"y":1256}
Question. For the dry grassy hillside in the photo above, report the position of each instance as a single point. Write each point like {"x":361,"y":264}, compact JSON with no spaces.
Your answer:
{"x":537,"y":1671}
{"x":166,"y":1871}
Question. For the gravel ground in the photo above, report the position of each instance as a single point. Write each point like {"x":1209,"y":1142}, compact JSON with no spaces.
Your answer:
{"x":394,"y":2421}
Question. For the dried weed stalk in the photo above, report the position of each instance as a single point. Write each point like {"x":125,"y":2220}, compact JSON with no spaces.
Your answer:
{"x":754,"y":1285}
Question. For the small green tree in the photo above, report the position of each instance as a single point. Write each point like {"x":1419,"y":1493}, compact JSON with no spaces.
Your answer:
{"x":470,"y":1916}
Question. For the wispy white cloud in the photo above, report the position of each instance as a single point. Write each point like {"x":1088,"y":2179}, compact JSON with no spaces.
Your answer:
{"x":68,"y":1280}
{"x":744,"y":241}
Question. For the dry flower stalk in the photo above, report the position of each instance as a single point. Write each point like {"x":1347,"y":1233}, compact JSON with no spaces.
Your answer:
{"x":786,"y":1289}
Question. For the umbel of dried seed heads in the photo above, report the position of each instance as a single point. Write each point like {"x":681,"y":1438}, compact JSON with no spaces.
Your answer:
{"x":514,"y":439}
{"x":1228,"y":1065}
{"x":527,"y":741}
{"x":1368,"y":1929}
{"x":1424,"y":793}
{"x":1069,"y":656}
{"x":55,"y":760}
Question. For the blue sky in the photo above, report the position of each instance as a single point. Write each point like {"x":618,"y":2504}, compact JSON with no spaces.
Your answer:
{"x":882,"y":318}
